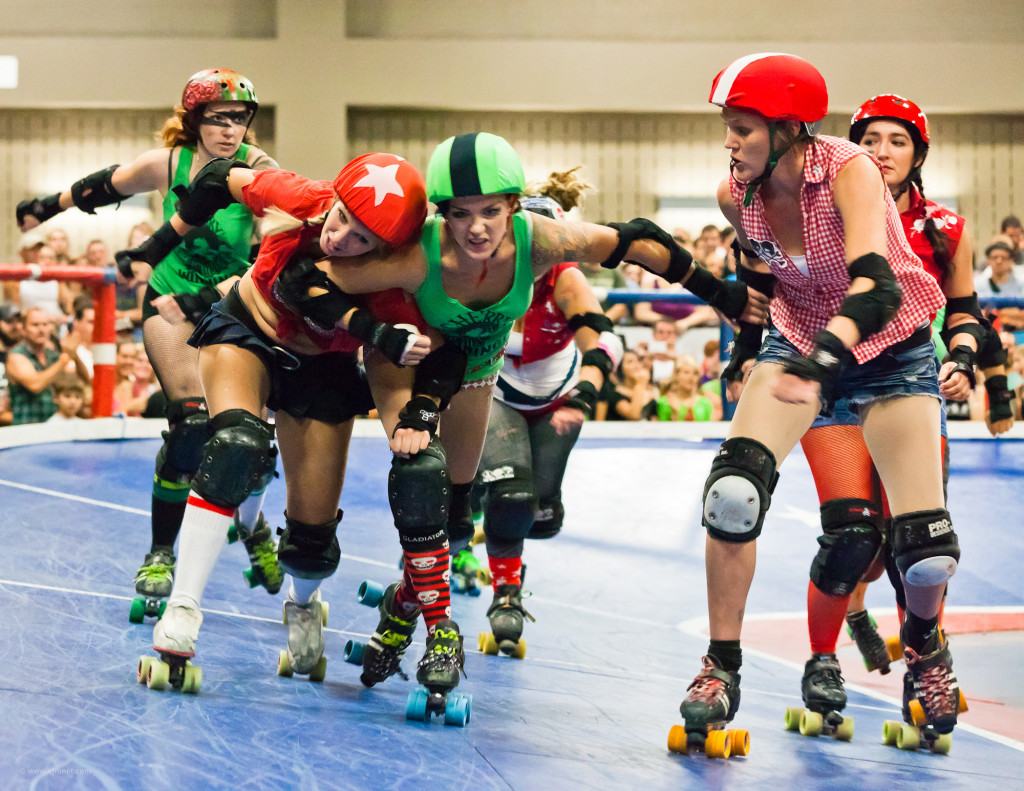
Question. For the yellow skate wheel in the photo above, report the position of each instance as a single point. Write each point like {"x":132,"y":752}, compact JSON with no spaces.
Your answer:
{"x":740,"y":741}
{"x":844,"y":730}
{"x":284,"y":667}
{"x":917,"y":713}
{"x":811,"y":723}
{"x":159,"y":675}
{"x":142,"y":673}
{"x":908,"y":738}
{"x":487,"y":644}
{"x":718,"y":744}
{"x":192,"y":680}
{"x":484,"y":576}
{"x":319,"y":671}
{"x":942,"y":745}
{"x":792,"y":718}
{"x":894,"y":647}
{"x":520,"y":651}
{"x":324,"y":609}
{"x":677,"y":741}
{"x":890,"y":730}
{"x":963,"y":701}
{"x":478,"y":537}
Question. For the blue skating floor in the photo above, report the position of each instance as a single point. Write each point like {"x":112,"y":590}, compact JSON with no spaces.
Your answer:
{"x":620,"y":603}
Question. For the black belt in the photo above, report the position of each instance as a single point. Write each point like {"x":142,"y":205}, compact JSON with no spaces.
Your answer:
{"x":918,"y":337}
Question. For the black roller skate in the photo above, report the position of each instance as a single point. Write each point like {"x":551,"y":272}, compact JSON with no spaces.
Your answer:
{"x":824,"y":697}
{"x":932,"y":699}
{"x":506,"y":616}
{"x":153,"y":581}
{"x":873,"y":648}
{"x":439,"y":670}
{"x":266,"y":570}
{"x":381,"y":658}
{"x":712,"y":702}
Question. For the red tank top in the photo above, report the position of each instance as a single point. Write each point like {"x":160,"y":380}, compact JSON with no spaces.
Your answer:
{"x":545,"y":328}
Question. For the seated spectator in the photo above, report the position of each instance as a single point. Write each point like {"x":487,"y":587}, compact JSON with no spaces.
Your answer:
{"x":628,"y":393}
{"x":708,"y":250}
{"x":998,"y":279}
{"x":69,"y":396}
{"x":32,"y":366}
{"x":660,"y":350}
{"x":82,"y":328}
{"x":681,"y":398}
{"x":1011,"y":228}
{"x":143,"y":384}
{"x":124,"y":375}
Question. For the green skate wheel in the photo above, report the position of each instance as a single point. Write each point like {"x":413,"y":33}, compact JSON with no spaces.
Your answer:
{"x":137,"y":611}
{"x":370,"y":593}
{"x":740,"y":741}
{"x":319,"y":671}
{"x":232,"y":533}
{"x":142,"y":673}
{"x":354,"y":652}
{"x":844,"y":730}
{"x":284,"y":666}
{"x":416,"y":705}
{"x":890,"y":731}
{"x":192,"y":679}
{"x":487,"y":644}
{"x":942,"y":745}
{"x":811,"y":723}
{"x":250,"y":578}
{"x":908,"y":738}
{"x":160,"y":610}
{"x":792,"y":718}
{"x":159,"y":675}
{"x":457,"y":708}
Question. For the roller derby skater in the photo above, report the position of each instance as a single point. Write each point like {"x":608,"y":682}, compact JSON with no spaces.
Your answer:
{"x":711,"y":703}
{"x":467,"y":573}
{"x":153,"y":584}
{"x":381,"y":657}
{"x":506,"y":615}
{"x":863,"y":629}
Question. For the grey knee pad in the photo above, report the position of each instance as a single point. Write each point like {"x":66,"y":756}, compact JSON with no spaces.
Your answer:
{"x":420,"y":488}
{"x":851,"y":536}
{"x":547,"y":521}
{"x":182,"y":451}
{"x":924,"y":546}
{"x":235,"y":460}
{"x":309,"y":552}
{"x":739,"y":490}
{"x":510,"y":504}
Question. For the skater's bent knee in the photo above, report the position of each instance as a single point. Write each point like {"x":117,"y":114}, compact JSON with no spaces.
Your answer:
{"x":924,"y":546}
{"x":236,"y":460}
{"x":738,"y":491}
{"x":851,"y":536}
{"x":419,"y":488}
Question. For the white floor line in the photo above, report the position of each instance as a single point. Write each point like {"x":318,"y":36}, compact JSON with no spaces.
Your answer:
{"x":75,"y":497}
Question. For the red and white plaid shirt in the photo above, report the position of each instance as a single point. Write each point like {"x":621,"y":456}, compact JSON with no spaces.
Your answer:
{"x":805,"y":303}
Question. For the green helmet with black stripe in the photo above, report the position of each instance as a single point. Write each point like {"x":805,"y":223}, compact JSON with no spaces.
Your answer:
{"x":475,"y":164}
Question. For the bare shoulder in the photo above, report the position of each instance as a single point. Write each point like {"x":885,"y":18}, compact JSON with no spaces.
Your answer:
{"x":404,"y":268}
{"x":258,"y":159}
{"x":555,"y":241}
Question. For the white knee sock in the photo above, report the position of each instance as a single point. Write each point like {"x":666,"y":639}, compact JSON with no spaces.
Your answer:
{"x":249,"y":511}
{"x":202,"y":536}
{"x":302,"y":591}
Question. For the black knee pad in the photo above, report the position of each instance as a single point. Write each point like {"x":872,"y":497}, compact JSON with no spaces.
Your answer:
{"x":309,"y":552}
{"x":924,"y":546}
{"x":739,"y":490}
{"x":420,"y":488}
{"x":182,"y":451}
{"x":236,"y":458}
{"x":851,"y":536}
{"x":510,"y":504}
{"x":547,"y":521}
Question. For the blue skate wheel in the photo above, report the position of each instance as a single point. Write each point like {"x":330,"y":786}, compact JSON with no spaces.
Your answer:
{"x":354,"y":652}
{"x":370,"y":593}
{"x":137,"y":612}
{"x":473,"y":591}
{"x":416,"y":706}
{"x":457,"y":709}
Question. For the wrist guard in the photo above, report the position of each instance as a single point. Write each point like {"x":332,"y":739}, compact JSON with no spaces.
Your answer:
{"x":991,"y":352}
{"x":441,"y":372}
{"x":42,"y":207}
{"x":208,"y":192}
{"x":584,"y":398}
{"x":419,"y":414}
{"x":391,"y":341}
{"x":679,"y":262}
{"x":152,"y":251}
{"x":999,"y":399}
{"x":963,"y":357}
{"x":823,"y":363}
{"x":95,"y":190}
{"x":195,"y":306}
{"x":727,"y":296}
{"x":745,"y":346}
{"x":295,"y":286}
{"x":759,"y":281}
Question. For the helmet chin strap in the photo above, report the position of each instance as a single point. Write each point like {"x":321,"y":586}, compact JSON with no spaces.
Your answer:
{"x":773,"y":159}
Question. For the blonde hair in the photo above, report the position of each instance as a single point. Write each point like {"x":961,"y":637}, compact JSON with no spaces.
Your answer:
{"x":565,"y":188}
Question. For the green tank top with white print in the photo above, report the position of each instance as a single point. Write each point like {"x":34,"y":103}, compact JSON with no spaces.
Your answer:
{"x":210,"y":253}
{"x":483,"y":333}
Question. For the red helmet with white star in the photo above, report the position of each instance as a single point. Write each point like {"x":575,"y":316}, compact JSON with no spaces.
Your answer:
{"x":778,"y":86}
{"x":386,"y":194}
{"x":889,"y":106}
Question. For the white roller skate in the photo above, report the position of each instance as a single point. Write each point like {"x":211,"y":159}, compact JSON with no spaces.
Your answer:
{"x":305,"y":652}
{"x":174,"y":638}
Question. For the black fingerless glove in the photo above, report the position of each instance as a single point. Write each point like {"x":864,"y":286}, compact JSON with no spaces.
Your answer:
{"x":195,"y":306}
{"x":420,"y":414}
{"x":823,"y":363}
{"x":391,"y":341}
{"x":584,"y":398}
{"x":152,"y":251}
{"x":964,"y":358}
{"x":727,"y":296}
{"x":999,"y":399}
{"x":745,"y":346}
{"x":207,"y":193}
{"x":42,"y":207}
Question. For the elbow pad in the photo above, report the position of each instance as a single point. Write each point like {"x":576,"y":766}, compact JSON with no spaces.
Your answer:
{"x":990,"y":351}
{"x":975,"y":330}
{"x":871,"y":310}
{"x":759,"y":281}
{"x":95,"y":190}
{"x":294,"y":287}
{"x":440,"y":374}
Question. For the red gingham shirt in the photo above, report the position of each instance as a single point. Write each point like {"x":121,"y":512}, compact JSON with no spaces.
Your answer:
{"x":804,"y":304}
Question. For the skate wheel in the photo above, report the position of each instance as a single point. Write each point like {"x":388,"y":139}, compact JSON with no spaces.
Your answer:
{"x":354,"y":652}
{"x":324,"y":609}
{"x":250,"y":578}
{"x":370,"y":593}
{"x":962,"y":706}
{"x":678,"y":741}
{"x":232,"y":535}
{"x":319,"y":671}
{"x":137,"y":611}
{"x":456,"y":709}
{"x":908,"y":737}
{"x":487,"y":644}
{"x":740,"y":741}
{"x":890,"y":731}
{"x":792,"y":718}
{"x":416,"y":705}
{"x":159,"y":674}
{"x":942,"y":745}
{"x":894,"y":647}
{"x":917,"y":714}
{"x":142,"y":673}
{"x":520,"y":649}
{"x":160,"y":610}
{"x":844,"y":730}
{"x":284,"y":665}
{"x":284,"y":615}
{"x":718,"y":745}
{"x":484,"y":576}
{"x":811,"y":723}
{"x":192,"y":679}
{"x":471,"y":591}
{"x":478,"y":538}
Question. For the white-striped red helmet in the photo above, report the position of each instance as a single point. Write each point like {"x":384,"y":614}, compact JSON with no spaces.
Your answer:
{"x":777,"y":86}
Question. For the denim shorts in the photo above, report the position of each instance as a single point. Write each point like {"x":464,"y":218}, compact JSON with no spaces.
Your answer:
{"x":897,"y":371}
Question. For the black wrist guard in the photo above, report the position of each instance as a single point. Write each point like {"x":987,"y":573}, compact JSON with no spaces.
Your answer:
{"x":823,"y":363}
{"x":990,"y":351}
{"x":208,"y":192}
{"x":42,"y":207}
{"x":391,"y":341}
{"x":727,"y":296}
{"x":441,"y":372}
{"x":745,"y":346}
{"x":152,"y":251}
{"x":963,"y":357}
{"x":679,"y":262}
{"x":95,"y":190}
{"x":195,"y":306}
{"x":294,"y":285}
{"x":584,"y":398}
{"x":420,"y":414}
{"x":600,"y":359}
{"x":999,"y":398}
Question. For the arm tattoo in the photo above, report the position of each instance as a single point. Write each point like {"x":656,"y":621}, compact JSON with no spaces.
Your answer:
{"x":568,"y":242}
{"x":263,"y":162}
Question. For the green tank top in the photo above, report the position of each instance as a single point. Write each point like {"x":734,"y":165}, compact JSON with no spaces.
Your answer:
{"x":700,"y":411}
{"x":483,"y":333}
{"x":210,"y":253}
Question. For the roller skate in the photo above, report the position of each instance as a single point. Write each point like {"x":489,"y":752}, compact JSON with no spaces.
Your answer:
{"x":266,"y":570}
{"x":932,"y":699}
{"x":153,"y":581}
{"x":506,"y":616}
{"x":305,"y":652}
{"x":174,"y":639}
{"x":438,"y":672}
{"x":381,"y":658}
{"x":712,"y":702}
{"x":467,"y":573}
{"x":824,"y":697}
{"x":876,"y":651}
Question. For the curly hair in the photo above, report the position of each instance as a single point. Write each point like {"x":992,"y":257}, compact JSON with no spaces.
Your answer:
{"x":565,"y":188}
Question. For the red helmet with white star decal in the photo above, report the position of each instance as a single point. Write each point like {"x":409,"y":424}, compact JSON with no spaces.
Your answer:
{"x":889,"y":106}
{"x":386,"y":194}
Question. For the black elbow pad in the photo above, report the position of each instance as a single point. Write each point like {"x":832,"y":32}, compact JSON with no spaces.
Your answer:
{"x":95,"y":190}
{"x":871,"y":310}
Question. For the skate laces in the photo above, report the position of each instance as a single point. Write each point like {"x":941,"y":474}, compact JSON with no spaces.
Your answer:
{"x":934,"y":685}
{"x":827,"y":674}
{"x":444,"y":649}
{"x":510,"y":597}
{"x":708,"y":687}
{"x":157,"y":568}
{"x":264,"y":555}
